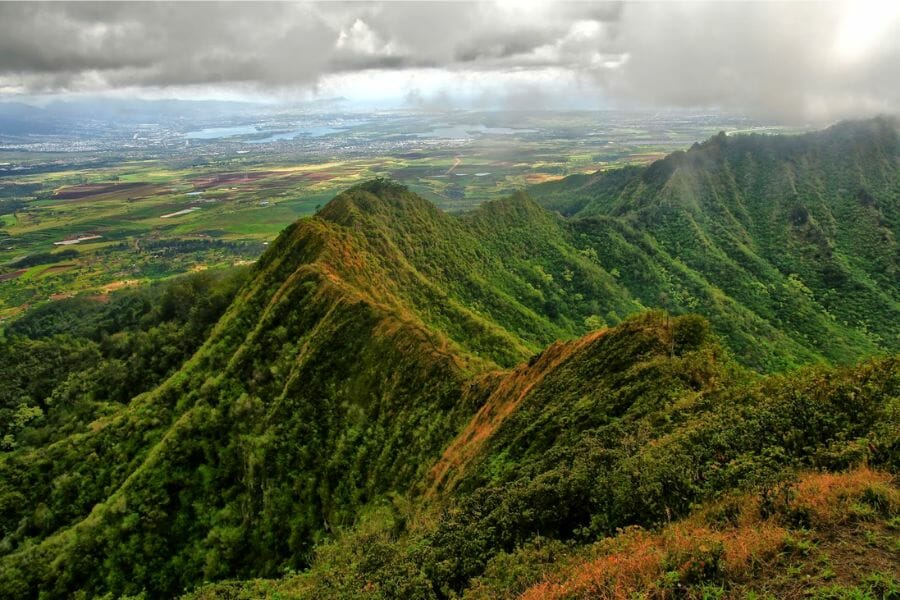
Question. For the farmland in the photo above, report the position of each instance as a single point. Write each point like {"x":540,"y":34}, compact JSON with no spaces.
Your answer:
{"x":135,"y":209}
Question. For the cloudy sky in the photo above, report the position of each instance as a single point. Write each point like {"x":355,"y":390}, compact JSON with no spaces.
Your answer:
{"x":799,"y":60}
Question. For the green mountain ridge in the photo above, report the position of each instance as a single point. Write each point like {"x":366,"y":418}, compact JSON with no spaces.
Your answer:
{"x":800,"y":231}
{"x":386,"y":350}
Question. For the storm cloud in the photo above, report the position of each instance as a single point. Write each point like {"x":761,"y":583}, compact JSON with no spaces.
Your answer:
{"x":790,"y":60}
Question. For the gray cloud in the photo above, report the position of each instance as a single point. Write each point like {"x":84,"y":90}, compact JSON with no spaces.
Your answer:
{"x":770,"y":58}
{"x":793,"y":60}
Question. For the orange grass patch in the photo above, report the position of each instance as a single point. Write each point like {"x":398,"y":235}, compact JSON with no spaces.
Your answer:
{"x":502,"y":402}
{"x":824,"y":496}
{"x":640,"y":564}
{"x":636,"y":566}
{"x":636,"y":561}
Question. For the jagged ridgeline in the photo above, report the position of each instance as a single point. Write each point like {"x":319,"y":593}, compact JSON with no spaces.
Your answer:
{"x":787,"y":244}
{"x":385,"y":399}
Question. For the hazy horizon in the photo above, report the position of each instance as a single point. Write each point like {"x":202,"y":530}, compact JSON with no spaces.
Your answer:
{"x":790,"y":62}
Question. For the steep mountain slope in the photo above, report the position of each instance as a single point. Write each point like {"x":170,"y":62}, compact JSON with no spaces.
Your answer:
{"x":206,"y":469}
{"x":634,"y":426}
{"x":797,"y":234}
{"x":384,"y":349}
{"x":316,"y":392}
{"x":637,"y":425}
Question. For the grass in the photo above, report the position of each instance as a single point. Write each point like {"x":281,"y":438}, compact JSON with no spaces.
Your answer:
{"x":751,"y":555}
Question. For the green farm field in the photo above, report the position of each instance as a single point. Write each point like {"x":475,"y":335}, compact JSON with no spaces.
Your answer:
{"x":79,"y":222}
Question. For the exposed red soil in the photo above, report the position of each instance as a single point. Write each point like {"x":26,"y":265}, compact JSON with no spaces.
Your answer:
{"x":57,"y":268}
{"x":319,"y":176}
{"x":13,"y":275}
{"x":74,"y":192}
{"x":209,"y":181}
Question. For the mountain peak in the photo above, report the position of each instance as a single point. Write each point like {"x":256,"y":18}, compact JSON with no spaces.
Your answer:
{"x":374,"y":199}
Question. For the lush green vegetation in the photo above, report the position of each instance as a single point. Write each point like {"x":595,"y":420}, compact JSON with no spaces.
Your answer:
{"x":656,"y":429}
{"x":380,"y":406}
{"x":788,"y":242}
{"x":66,"y":363}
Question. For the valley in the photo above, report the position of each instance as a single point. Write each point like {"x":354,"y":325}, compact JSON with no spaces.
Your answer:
{"x":174,"y":201}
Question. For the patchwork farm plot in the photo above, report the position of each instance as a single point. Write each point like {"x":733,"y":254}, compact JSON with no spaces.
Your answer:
{"x":79,"y":222}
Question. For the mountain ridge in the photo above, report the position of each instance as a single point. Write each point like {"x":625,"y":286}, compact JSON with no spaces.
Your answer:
{"x":731,"y":212}
{"x":498,"y":369}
